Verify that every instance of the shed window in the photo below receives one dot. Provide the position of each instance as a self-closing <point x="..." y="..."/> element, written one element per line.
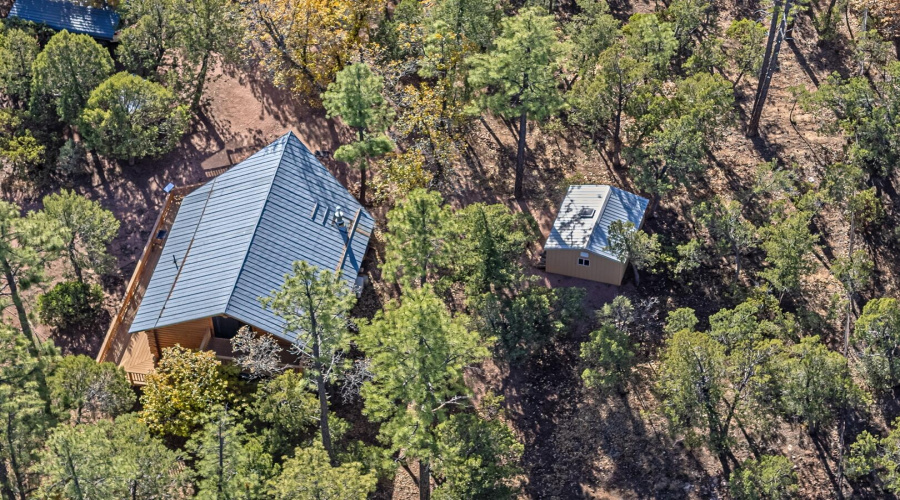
<point x="584" y="262"/>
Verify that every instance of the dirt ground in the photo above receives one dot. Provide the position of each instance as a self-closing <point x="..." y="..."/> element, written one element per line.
<point x="577" y="444"/>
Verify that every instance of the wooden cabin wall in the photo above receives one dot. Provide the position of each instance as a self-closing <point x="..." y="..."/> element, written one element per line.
<point x="188" y="334"/>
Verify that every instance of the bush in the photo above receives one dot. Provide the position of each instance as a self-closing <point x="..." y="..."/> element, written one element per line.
<point x="69" y="304"/>
<point x="770" y="477"/>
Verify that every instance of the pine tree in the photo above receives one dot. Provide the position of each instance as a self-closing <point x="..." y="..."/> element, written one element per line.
<point x="418" y="353"/>
<point x="85" y="227"/>
<point x="67" y="70"/>
<point x="355" y="96"/>
<point x="18" y="49"/>
<point x="315" y="305"/>
<point x="418" y="239"/>
<point x="633" y="246"/>
<point x="522" y="73"/>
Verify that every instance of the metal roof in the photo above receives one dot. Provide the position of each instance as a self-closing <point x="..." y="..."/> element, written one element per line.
<point x="577" y="227"/>
<point x="98" y="23"/>
<point x="234" y="239"/>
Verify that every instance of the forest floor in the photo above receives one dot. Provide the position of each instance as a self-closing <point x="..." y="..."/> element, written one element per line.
<point x="577" y="443"/>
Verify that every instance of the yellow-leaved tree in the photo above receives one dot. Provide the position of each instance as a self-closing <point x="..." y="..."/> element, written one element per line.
<point x="303" y="43"/>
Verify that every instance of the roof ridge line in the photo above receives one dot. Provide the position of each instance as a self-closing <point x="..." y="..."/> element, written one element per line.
<point x="609" y="193"/>
<point x="256" y="226"/>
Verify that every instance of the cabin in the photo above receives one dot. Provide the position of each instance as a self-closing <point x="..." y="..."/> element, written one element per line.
<point x="217" y="248"/>
<point x="100" y="24"/>
<point x="577" y="243"/>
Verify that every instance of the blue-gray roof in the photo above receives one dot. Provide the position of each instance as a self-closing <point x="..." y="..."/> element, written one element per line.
<point x="234" y="239"/>
<point x="585" y="216"/>
<point x="98" y="23"/>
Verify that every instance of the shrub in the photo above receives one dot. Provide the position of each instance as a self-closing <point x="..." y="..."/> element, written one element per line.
<point x="69" y="304"/>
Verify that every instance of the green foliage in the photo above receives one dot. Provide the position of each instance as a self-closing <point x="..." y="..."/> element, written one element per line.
<point x="878" y="457"/>
<point x="651" y="40"/>
<point x="67" y="70"/>
<point x="771" y="477"/>
<point x="287" y="412"/>
<point x="853" y="271"/>
<point x="143" y="44"/>
<point x="529" y="319"/>
<point x="473" y="21"/>
<point x="418" y="352"/>
<point x="70" y="304"/>
<point x="591" y="31"/>
<point x="18" y="49"/>
<point x="110" y="460"/>
<point x="676" y="132"/>
<point x="230" y="462"/>
<point x="633" y="246"/>
<point x="730" y="232"/>
<point x="690" y="257"/>
<point x="355" y="96"/>
<point x="20" y="152"/>
<point x="521" y="70"/>
<point x="417" y="240"/>
<point x="201" y="29"/>
<point x="23" y="410"/>
<point x="746" y="44"/>
<point x="85" y="227"/>
<point x="314" y="304"/>
<point x="707" y="379"/>
<point x="687" y="17"/>
<point x="489" y="244"/>
<point x="128" y="117"/>
<point x="25" y="246"/>
<point x="181" y="394"/>
<point x="683" y="318"/>
<point x="876" y="339"/>
<point x="85" y="387"/>
<point x="479" y="457"/>
<point x="863" y="112"/>
<point x="789" y="247"/>
<point x="609" y="356"/>
<point x="816" y="384"/>
<point x="309" y="475"/>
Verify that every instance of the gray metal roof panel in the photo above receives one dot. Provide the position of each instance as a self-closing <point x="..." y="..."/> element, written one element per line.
<point x="98" y="23"/>
<point x="248" y="226"/>
<point x="573" y="229"/>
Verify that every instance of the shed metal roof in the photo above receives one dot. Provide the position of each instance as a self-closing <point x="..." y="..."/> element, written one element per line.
<point x="585" y="216"/>
<point x="98" y="23"/>
<point x="234" y="239"/>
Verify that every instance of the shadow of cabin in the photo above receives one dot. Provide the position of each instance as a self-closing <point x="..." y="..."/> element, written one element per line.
<point x="218" y="247"/>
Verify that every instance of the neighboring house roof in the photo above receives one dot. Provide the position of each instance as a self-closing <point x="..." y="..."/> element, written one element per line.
<point x="98" y="23"/>
<point x="585" y="216"/>
<point x="234" y="239"/>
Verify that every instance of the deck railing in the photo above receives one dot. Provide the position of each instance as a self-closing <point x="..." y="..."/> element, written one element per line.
<point x="115" y="343"/>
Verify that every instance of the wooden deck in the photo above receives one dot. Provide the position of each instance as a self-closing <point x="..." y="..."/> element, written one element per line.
<point x="135" y="353"/>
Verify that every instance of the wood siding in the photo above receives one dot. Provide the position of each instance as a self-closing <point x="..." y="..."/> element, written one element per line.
<point x="602" y="269"/>
<point x="188" y="334"/>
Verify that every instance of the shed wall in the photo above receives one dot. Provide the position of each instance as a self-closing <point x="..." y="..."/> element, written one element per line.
<point x="602" y="269"/>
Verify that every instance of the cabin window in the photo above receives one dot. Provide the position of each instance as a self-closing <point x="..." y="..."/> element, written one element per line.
<point x="225" y="327"/>
<point x="584" y="261"/>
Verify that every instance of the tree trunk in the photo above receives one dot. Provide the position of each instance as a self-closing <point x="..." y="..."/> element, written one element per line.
<point x="17" y="302"/>
<point x="13" y="461"/>
<point x="616" y="149"/>
<point x="520" y="155"/>
<point x="78" y="494"/>
<point x="323" y="404"/>
<point x="737" y="265"/>
<point x="424" y="480"/>
<point x="362" y="172"/>
<point x="637" y="278"/>
<point x="201" y="80"/>
<point x="75" y="267"/>
<point x="770" y="60"/>
<point x="5" y="485"/>
<point x="221" y="471"/>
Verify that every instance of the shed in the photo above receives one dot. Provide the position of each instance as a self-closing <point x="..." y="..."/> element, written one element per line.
<point x="231" y="242"/>
<point x="59" y="15"/>
<point x="577" y="243"/>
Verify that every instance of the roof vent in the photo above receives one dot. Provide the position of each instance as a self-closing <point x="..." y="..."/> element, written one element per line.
<point x="586" y="213"/>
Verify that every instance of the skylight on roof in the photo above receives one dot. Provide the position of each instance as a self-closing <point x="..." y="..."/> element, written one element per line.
<point x="587" y="213"/>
